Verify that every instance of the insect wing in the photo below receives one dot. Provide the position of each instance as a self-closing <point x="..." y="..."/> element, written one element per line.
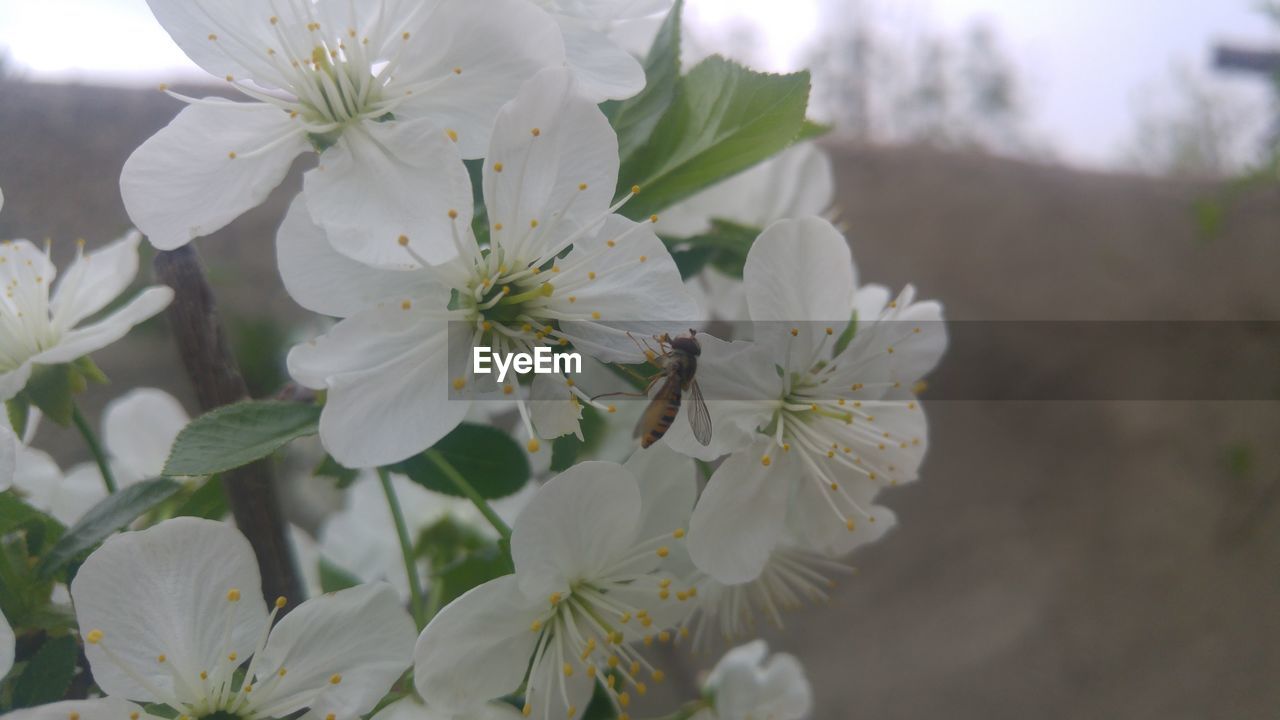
<point x="652" y="416"/>
<point x="699" y="417"/>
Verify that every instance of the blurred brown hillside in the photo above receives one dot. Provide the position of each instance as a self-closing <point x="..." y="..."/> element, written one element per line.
<point x="1058" y="559"/>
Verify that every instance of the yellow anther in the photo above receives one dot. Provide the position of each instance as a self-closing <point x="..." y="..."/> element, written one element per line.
<point x="595" y="315"/>
<point x="507" y="389"/>
<point x="330" y="716"/>
<point x="582" y="186"/>
<point x="664" y="637"/>
<point x="453" y="214"/>
<point x="643" y="258"/>
<point x="573" y="298"/>
<point x="527" y="709"/>
<point x="786" y="447"/>
<point x="889" y="350"/>
<point x="486" y="326"/>
<point x="653" y="218"/>
<point x="658" y="675"/>
<point x="536" y="625"/>
<point x="497" y="227"/>
<point x="335" y="679"/>
<point x="233" y="595"/>
<point x="161" y="658"/>
<point x="248" y="688"/>
<point x="572" y="711"/>
<point x="664" y="594"/>
<point x="591" y="671"/>
<point x="568" y="670"/>
<point x="612" y="661"/>
<point x="664" y="582"/>
<point x="204" y="675"/>
<point x="232" y="657"/>
<point x="646" y="621"/>
<point x="459" y="383"/>
<point x="406" y="305"/>
<point x="693" y="592"/>
<point x="663" y="551"/>
<point x="452" y="135"/>
<point x="613" y="408"/>
<point x="497" y="167"/>
<point x="134" y="715"/>
<point x="94" y="637"/>
<point x="282" y="601"/>
<point x="835" y="487"/>
<point x="855" y="387"/>
<point x="533" y="445"/>
<point x="831" y="331"/>
<point x="591" y="275"/>
<point x="282" y="672"/>
<point x="555" y="598"/>
<point x="405" y="36"/>
<point x="533" y="223"/>
<point x="849" y="525"/>
<point x="635" y="667"/>
<point x="611" y="243"/>
<point x="231" y="155"/>
<point x="795" y="332"/>
<point x="73" y="716"/>
<point x="625" y="618"/>
<point x="679" y="533"/>
<point x="624" y="698"/>
<point x="535" y="132"/>
<point x="641" y="688"/>
<point x="231" y="78"/>
<point x="403" y="240"/>
<point x="766" y="461"/>
<point x="457" y="71"/>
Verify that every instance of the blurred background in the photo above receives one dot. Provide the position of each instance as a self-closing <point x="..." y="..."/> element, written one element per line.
<point x="1083" y="160"/>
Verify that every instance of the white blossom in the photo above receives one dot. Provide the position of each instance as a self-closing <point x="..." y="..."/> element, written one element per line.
<point x="7" y="642"/>
<point x="170" y="614"/>
<point x="810" y="430"/>
<point x="40" y="319"/>
<point x="560" y="267"/>
<point x="606" y="70"/>
<point x="381" y="88"/>
<point x="748" y="684"/>
<point x="589" y="580"/>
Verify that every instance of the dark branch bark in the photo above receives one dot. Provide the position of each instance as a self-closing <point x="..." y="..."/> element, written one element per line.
<point x="212" y="368"/>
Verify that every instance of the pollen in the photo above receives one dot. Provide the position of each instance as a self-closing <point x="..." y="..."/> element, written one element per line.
<point x="204" y="675"/>
<point x="635" y="189"/>
<point x="795" y="332"/>
<point x="73" y="716"/>
<point x="281" y="601"/>
<point x="533" y="445"/>
<point x="453" y="135"/>
<point x="232" y="657"/>
<point x="679" y="533"/>
<point x="459" y="383"/>
<point x="457" y="71"/>
<point x="643" y="258"/>
<point x="568" y="670"/>
<point x="497" y="167"/>
<point x="831" y="331"/>
<point x="624" y="698"/>
<point x="591" y="276"/>
<point x="405" y="36"/>
<point x="611" y="243"/>
<point x="613" y="408"/>
<point x="282" y="672"/>
<point x="507" y="389"/>
<point x="161" y="658"/>
<point x="403" y="240"/>
<point x="231" y="155"/>
<point x="766" y="461"/>
<point x="233" y="595"/>
<point x="535" y="132"/>
<point x="582" y="186"/>
<point x="595" y="315"/>
<point x="664" y="551"/>
<point x="653" y="218"/>
<point x="497" y="226"/>
<point x="856" y="387"/>
<point x="453" y="214"/>
<point x="533" y="223"/>
<point x="335" y="679"/>
<point x="848" y="524"/>
<point x="536" y="625"/>
<point x="406" y="305"/>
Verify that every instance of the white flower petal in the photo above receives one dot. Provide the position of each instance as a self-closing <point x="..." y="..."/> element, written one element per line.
<point x="361" y="636"/>
<point x="82" y="341"/>
<point x="8" y="458"/>
<point x="323" y="280"/>
<point x="741" y="514"/>
<point x="551" y="407"/>
<point x="386" y="371"/>
<point x="183" y="183"/>
<point x="139" y="427"/>
<point x="746" y="685"/>
<point x="386" y="180"/>
<point x="799" y="274"/>
<point x="94" y="279"/>
<point x="106" y="708"/>
<point x="668" y="490"/>
<point x="7" y="642"/>
<point x="550" y="142"/>
<point x="462" y="35"/>
<point x="224" y="38"/>
<point x="580" y="523"/>
<point x="37" y="477"/>
<point x="70" y="496"/>
<point x="605" y="69"/>
<point x="164" y="591"/>
<point x="12" y="382"/>
<point x="412" y="708"/>
<point x="478" y="648"/>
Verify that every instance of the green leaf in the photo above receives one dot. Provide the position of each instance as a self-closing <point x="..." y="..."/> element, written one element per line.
<point x="207" y="501"/>
<point x="334" y="578"/>
<point x="473" y="568"/>
<point x="331" y="468"/>
<point x="16" y="514"/>
<point x="724" y="119"/>
<point x="48" y="673"/>
<point x="724" y="246"/>
<point x="236" y="435"/>
<point x="51" y="389"/>
<point x="810" y="130"/>
<point x="90" y="371"/>
<point x="846" y="337"/>
<point x="19" y="410"/>
<point x="108" y="516"/>
<point x="635" y="118"/>
<point x="488" y="458"/>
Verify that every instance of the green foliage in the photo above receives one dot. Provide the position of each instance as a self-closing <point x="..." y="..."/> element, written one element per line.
<point x="259" y="344"/>
<point x="724" y="247"/>
<point x="334" y="578"/>
<point x="52" y="389"/>
<point x="207" y="501"/>
<point x="47" y="675"/>
<point x="635" y="118"/>
<point x="460" y="558"/>
<point x="331" y="468"/>
<point x="494" y="464"/>
<point x="846" y="337"/>
<point x="108" y="516"/>
<point x="724" y="119"/>
<point x="239" y="434"/>
<point x="566" y="449"/>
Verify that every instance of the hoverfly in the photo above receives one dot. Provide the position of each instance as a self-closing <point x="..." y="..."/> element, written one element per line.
<point x="677" y="361"/>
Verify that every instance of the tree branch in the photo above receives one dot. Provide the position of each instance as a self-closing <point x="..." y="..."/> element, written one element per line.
<point x="251" y="492"/>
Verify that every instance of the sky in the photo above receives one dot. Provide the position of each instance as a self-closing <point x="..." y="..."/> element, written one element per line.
<point x="1084" y="63"/>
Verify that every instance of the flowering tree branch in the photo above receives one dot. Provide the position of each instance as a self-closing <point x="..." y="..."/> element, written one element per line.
<point x="216" y="378"/>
